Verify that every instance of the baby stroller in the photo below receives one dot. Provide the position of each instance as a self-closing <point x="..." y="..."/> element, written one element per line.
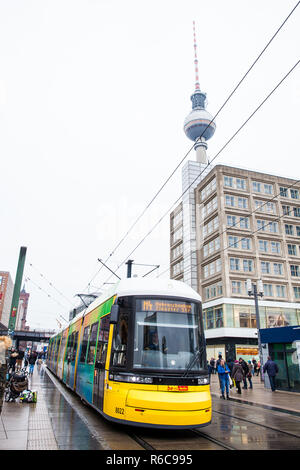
<point x="17" y="383"/>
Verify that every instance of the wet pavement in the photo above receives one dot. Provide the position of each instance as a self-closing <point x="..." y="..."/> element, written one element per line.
<point x="257" y="419"/>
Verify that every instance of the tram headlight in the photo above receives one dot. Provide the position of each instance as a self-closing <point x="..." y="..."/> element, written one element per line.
<point x="203" y="380"/>
<point x="131" y="378"/>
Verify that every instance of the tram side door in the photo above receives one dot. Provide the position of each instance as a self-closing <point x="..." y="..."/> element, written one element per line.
<point x="99" y="371"/>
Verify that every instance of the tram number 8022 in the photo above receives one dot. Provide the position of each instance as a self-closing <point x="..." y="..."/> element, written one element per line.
<point x="119" y="410"/>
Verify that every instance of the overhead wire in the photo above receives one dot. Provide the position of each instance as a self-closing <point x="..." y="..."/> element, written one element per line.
<point x="218" y="153"/>
<point x="191" y="148"/>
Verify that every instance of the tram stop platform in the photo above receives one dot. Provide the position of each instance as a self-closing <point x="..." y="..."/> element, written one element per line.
<point x="59" y="420"/>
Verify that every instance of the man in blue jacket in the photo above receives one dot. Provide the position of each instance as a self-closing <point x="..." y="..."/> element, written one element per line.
<point x="272" y="369"/>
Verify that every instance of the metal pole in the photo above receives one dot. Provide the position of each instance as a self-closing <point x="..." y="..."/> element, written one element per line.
<point x="258" y="326"/>
<point x="129" y="267"/>
<point x="16" y="293"/>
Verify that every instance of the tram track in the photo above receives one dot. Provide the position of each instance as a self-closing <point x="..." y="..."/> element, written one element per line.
<point x="145" y="444"/>
<point x="256" y="423"/>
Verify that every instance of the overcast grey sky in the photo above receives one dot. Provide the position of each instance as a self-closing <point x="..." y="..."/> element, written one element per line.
<point x="93" y="95"/>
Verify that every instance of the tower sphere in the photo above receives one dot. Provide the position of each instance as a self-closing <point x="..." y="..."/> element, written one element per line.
<point x="198" y="123"/>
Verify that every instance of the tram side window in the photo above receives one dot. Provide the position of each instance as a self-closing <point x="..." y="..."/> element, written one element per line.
<point x="69" y="348"/>
<point x="102" y="342"/>
<point x="56" y="348"/>
<point x="84" y="343"/>
<point x="92" y="344"/>
<point x="121" y="334"/>
<point x="74" y="346"/>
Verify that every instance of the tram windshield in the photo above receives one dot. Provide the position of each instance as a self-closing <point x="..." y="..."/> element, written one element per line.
<point x="167" y="335"/>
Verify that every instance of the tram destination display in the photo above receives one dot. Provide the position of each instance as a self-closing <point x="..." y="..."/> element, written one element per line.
<point x="158" y="305"/>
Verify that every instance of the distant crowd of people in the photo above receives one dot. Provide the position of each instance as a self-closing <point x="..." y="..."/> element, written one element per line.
<point x="234" y="373"/>
<point x="19" y="359"/>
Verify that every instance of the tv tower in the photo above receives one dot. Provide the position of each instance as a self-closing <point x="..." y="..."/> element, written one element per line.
<point x="199" y="125"/>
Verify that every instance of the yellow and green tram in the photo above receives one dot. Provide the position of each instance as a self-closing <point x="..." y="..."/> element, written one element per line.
<point x="137" y="355"/>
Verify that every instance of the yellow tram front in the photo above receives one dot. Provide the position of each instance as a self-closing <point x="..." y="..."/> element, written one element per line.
<point x="156" y="370"/>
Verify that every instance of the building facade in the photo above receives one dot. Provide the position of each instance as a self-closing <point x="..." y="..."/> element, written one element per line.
<point x="6" y="294"/>
<point x="247" y="227"/>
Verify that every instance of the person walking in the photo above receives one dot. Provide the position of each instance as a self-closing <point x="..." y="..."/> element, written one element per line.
<point x="272" y="369"/>
<point x="218" y="362"/>
<point x="32" y="360"/>
<point x="246" y="370"/>
<point x="224" y="372"/>
<point x="211" y="366"/>
<point x="250" y="373"/>
<point x="238" y="375"/>
<point x="19" y="360"/>
<point x="5" y="343"/>
<point x="13" y="359"/>
<point x="254" y="363"/>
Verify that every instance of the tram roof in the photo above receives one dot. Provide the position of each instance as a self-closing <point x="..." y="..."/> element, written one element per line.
<point x="144" y="287"/>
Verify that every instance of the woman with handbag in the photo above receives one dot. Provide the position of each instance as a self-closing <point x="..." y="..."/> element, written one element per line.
<point x="238" y="375"/>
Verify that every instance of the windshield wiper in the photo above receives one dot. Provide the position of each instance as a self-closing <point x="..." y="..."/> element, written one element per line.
<point x="198" y="353"/>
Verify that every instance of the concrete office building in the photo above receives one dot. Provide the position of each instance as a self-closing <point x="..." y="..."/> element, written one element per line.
<point x="247" y="227"/>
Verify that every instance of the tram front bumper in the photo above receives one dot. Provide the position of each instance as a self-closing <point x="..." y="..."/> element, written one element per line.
<point x="164" y="408"/>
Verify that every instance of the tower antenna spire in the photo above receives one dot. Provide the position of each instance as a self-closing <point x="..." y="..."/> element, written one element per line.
<point x="197" y="85"/>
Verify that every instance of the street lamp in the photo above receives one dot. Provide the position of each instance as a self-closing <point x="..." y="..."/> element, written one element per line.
<point x="256" y="290"/>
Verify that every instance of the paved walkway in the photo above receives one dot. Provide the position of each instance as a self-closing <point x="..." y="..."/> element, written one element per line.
<point x="259" y="395"/>
<point x="56" y="421"/>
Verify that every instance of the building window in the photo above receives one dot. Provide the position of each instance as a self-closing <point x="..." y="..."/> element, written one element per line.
<point x="259" y="205"/>
<point x="261" y="225"/>
<point x="240" y="183"/>
<point x="280" y="291"/>
<point x="228" y="181"/>
<point x="177" y="251"/>
<point x="211" y="226"/>
<point x="277" y="269"/>
<point x="212" y="291"/>
<point x="295" y="270"/>
<point x="177" y="268"/>
<point x="263" y="245"/>
<point x="296" y="211"/>
<point x="288" y="229"/>
<point x="256" y="186"/>
<point x="177" y="235"/>
<point x="219" y="317"/>
<point x="265" y="267"/>
<point x="234" y="264"/>
<point x="292" y="249"/>
<point x="283" y="192"/>
<point x="209" y="318"/>
<point x="294" y="193"/>
<point x="247" y="320"/>
<point x="248" y="265"/>
<point x="296" y="292"/>
<point x="177" y="220"/>
<point x="298" y="230"/>
<point x="231" y="220"/>
<point x="246" y="243"/>
<point x="270" y="208"/>
<point x="208" y="189"/>
<point x="268" y="188"/>
<point x="275" y="247"/>
<point x="233" y="242"/>
<point x="286" y="210"/>
<point x="268" y="290"/>
<point x="244" y="222"/>
<point x="242" y="202"/>
<point x="273" y="227"/>
<point x="229" y="200"/>
<point x="236" y="287"/>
